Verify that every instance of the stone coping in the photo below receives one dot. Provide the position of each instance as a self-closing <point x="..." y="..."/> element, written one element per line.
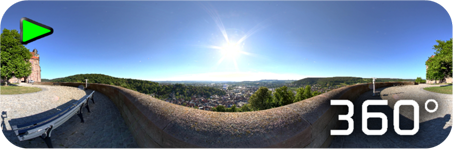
<point x="156" y="123"/>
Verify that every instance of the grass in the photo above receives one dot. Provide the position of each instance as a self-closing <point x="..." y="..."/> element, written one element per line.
<point x="439" y="84"/>
<point x="10" y="90"/>
<point x="440" y="89"/>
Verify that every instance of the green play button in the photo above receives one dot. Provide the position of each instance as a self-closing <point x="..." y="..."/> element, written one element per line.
<point x="31" y="30"/>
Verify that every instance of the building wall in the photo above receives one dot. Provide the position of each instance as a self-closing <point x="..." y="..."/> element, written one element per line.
<point x="36" y="70"/>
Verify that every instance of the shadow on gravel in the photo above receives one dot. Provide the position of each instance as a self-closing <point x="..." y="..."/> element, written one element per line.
<point x="431" y="133"/>
<point x="392" y="94"/>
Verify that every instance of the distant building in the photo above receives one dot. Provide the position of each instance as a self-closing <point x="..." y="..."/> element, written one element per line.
<point x="225" y="86"/>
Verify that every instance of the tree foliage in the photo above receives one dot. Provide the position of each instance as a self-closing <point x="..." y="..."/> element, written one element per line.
<point x="14" y="56"/>
<point x="299" y="94"/>
<point x="333" y="81"/>
<point x="245" y="107"/>
<point x="419" y="80"/>
<point x="146" y="87"/>
<point x="440" y="66"/>
<point x="307" y="92"/>
<point x="221" y="108"/>
<point x="261" y="99"/>
<point x="434" y="71"/>
<point x="283" y="96"/>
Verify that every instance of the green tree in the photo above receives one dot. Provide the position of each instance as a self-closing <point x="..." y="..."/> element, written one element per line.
<point x="418" y="80"/>
<point x="440" y="66"/>
<point x="245" y="107"/>
<point x="283" y="96"/>
<point x="434" y="69"/>
<point x="221" y="108"/>
<point x="307" y="92"/>
<point x="261" y="99"/>
<point x="316" y="93"/>
<point x="299" y="94"/>
<point x="233" y="108"/>
<point x="14" y="56"/>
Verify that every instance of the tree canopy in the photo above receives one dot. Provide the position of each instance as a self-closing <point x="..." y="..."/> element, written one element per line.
<point x="146" y="87"/>
<point x="264" y="99"/>
<point x="261" y="99"/>
<point x="440" y="66"/>
<point x="299" y="94"/>
<point x="14" y="56"/>
<point x="283" y="96"/>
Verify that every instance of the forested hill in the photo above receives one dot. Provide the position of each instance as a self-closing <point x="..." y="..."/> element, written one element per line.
<point x="146" y="87"/>
<point x="332" y="81"/>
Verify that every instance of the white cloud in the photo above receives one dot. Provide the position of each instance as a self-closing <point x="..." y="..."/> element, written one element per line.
<point x="233" y="76"/>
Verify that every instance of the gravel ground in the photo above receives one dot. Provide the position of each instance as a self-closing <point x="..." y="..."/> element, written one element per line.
<point x="434" y="128"/>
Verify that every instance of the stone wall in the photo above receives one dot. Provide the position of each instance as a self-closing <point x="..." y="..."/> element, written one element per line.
<point x="36" y="70"/>
<point x="156" y="123"/>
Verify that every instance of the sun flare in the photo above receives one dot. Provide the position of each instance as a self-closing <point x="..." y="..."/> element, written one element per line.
<point x="231" y="50"/>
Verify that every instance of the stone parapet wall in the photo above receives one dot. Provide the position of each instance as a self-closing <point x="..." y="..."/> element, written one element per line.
<point x="156" y="123"/>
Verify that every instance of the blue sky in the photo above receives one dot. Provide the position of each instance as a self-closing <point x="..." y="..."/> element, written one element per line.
<point x="283" y="40"/>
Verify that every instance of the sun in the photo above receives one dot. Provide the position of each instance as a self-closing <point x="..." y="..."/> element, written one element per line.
<point x="231" y="50"/>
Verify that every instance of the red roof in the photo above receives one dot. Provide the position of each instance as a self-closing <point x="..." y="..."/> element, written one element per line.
<point x="33" y="56"/>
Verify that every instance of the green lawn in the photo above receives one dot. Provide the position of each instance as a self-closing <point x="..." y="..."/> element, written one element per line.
<point x="439" y="84"/>
<point x="441" y="89"/>
<point x="9" y="90"/>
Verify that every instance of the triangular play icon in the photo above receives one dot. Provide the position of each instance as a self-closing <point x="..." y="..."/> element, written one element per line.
<point x="31" y="30"/>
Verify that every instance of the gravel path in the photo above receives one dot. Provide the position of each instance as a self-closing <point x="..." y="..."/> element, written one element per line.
<point x="104" y="127"/>
<point x="434" y="128"/>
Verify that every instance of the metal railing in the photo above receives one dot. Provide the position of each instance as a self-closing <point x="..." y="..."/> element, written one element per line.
<point x="43" y="128"/>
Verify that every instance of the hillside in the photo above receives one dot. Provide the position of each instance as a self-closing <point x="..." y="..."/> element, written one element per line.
<point x="143" y="86"/>
<point x="332" y="81"/>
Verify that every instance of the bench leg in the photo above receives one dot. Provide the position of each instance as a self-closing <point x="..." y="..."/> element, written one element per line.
<point x="80" y="114"/>
<point x="46" y="138"/>
<point x="48" y="142"/>
<point x="88" y="108"/>
<point x="92" y="98"/>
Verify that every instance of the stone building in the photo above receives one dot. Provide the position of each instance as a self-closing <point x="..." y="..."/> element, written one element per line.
<point x="445" y="80"/>
<point x="35" y="70"/>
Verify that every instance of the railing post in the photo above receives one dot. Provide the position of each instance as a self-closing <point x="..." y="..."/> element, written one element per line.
<point x="374" y="90"/>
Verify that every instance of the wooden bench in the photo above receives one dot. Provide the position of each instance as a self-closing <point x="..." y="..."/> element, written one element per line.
<point x="43" y="128"/>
